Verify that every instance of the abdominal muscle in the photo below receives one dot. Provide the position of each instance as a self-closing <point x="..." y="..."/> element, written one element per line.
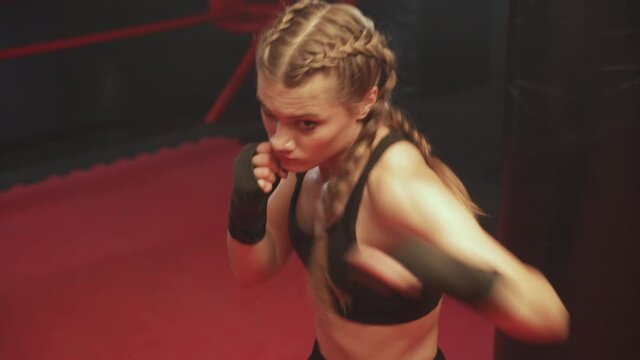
<point x="340" y="338"/>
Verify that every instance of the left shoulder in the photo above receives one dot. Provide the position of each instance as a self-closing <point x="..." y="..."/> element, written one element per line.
<point x="407" y="195"/>
<point x="401" y="165"/>
<point x="401" y="156"/>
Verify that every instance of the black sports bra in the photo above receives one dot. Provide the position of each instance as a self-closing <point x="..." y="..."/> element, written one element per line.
<point x="366" y="305"/>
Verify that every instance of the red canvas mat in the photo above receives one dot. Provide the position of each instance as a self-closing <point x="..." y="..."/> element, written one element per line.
<point x="128" y="261"/>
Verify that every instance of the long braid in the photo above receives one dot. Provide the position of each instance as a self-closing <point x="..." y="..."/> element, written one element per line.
<point x="398" y="120"/>
<point x="339" y="40"/>
<point x="369" y="44"/>
<point x="339" y="187"/>
<point x="450" y="180"/>
<point x="383" y="113"/>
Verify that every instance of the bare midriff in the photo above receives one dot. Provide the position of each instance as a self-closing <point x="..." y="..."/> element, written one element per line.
<point x="340" y="338"/>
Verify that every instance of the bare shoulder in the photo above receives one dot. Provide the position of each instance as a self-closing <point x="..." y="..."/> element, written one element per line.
<point x="401" y="165"/>
<point x="409" y="199"/>
<point x="406" y="195"/>
<point x="402" y="155"/>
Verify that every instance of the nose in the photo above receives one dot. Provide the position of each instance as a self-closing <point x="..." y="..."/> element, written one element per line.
<point x="282" y="141"/>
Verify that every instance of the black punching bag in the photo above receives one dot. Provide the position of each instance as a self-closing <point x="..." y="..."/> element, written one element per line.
<point x="571" y="186"/>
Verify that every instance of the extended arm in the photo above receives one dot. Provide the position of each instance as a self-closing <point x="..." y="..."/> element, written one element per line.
<point x="457" y="255"/>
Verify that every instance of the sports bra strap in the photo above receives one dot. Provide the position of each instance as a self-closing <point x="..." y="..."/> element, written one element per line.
<point x="356" y="195"/>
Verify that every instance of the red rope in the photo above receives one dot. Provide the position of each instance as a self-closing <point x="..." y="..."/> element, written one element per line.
<point x="101" y="37"/>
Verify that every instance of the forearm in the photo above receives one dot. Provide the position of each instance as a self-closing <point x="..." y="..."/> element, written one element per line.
<point x="251" y="249"/>
<point x="252" y="264"/>
<point x="528" y="308"/>
<point x="517" y="298"/>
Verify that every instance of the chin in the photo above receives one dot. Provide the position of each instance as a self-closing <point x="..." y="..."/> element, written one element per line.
<point x="298" y="168"/>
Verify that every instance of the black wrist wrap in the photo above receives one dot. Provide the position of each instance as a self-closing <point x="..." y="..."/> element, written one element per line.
<point x="437" y="270"/>
<point x="248" y="207"/>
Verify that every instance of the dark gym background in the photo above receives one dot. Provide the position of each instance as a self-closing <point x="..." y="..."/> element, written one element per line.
<point x="550" y="87"/>
<point x="70" y="108"/>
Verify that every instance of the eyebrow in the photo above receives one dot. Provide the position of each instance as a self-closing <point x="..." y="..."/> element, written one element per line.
<point x="295" y="116"/>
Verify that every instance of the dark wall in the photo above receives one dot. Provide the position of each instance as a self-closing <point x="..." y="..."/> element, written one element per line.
<point x="442" y="46"/>
<point x="67" y="101"/>
<point x="571" y="187"/>
<point x="33" y="21"/>
<point x="59" y="104"/>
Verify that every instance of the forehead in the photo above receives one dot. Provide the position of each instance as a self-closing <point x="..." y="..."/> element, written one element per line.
<point x="318" y="93"/>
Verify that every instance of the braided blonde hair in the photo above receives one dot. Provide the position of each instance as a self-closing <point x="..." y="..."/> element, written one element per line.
<point x="313" y="36"/>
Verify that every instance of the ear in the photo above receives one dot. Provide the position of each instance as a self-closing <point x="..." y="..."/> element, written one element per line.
<point x="367" y="102"/>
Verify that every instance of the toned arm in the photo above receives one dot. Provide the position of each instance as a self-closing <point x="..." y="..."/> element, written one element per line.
<point x="252" y="264"/>
<point x="409" y="198"/>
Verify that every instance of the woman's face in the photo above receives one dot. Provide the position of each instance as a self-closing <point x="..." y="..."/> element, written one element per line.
<point x="307" y="126"/>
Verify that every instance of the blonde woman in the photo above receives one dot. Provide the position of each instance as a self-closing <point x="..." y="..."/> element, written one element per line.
<point x="346" y="181"/>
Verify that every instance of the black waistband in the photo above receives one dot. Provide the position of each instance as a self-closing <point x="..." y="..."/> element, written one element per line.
<point x="317" y="355"/>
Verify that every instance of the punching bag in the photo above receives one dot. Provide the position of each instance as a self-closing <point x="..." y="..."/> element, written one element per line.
<point x="571" y="182"/>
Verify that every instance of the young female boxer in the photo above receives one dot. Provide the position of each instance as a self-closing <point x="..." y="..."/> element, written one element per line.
<point x="382" y="225"/>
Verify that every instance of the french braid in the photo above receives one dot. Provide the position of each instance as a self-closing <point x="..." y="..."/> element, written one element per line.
<point x="313" y="36"/>
<point x="281" y="25"/>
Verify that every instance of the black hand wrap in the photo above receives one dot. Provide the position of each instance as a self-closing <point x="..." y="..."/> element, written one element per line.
<point x="248" y="210"/>
<point x="437" y="270"/>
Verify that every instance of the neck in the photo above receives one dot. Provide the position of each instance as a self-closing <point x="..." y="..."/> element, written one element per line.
<point x="329" y="168"/>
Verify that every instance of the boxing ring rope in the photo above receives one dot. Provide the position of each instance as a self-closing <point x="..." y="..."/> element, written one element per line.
<point x="233" y="16"/>
<point x="101" y="37"/>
